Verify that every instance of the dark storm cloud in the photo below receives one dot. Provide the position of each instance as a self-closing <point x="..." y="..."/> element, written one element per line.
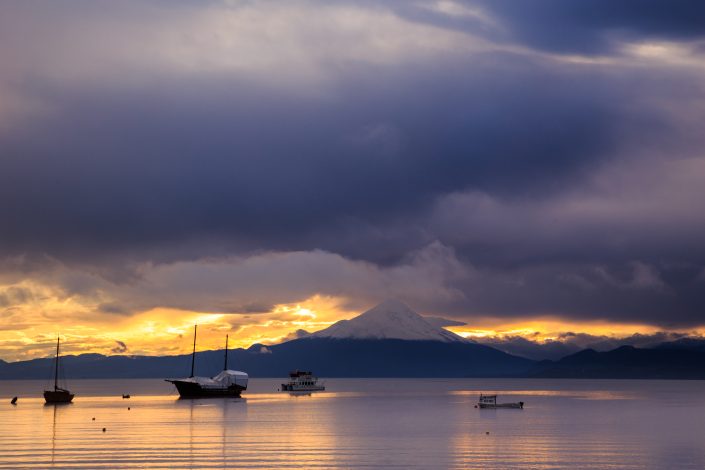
<point x="595" y="26"/>
<point x="562" y="187"/>
<point x="443" y="322"/>
<point x="231" y="159"/>
<point x="669" y="297"/>
<point x="580" y="26"/>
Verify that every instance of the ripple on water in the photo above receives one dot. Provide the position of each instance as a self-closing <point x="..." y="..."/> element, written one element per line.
<point x="365" y="422"/>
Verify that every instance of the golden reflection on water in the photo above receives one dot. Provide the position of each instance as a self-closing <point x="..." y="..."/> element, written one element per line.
<point x="579" y="394"/>
<point x="403" y="424"/>
<point x="53" y="434"/>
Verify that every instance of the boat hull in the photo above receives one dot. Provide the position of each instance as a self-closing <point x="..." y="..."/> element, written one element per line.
<point x="519" y="405"/>
<point x="58" y="396"/>
<point x="195" y="390"/>
<point x="298" y="388"/>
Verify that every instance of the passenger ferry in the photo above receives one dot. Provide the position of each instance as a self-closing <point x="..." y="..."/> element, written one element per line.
<point x="302" y="381"/>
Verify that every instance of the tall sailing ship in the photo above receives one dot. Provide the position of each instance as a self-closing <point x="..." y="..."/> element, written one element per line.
<point x="58" y="394"/>
<point x="228" y="383"/>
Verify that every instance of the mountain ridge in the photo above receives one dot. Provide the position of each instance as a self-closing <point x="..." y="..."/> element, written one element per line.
<point x="333" y="357"/>
<point x="626" y="362"/>
<point x="329" y="357"/>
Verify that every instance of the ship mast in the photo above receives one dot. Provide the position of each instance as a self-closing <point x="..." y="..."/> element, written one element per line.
<point x="193" y="357"/>
<point x="56" y="366"/>
<point x="225" y="367"/>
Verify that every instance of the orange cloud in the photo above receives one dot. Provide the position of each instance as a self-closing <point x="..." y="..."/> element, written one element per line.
<point x="33" y="314"/>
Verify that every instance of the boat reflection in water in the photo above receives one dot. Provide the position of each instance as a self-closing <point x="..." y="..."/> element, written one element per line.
<point x="228" y="383"/>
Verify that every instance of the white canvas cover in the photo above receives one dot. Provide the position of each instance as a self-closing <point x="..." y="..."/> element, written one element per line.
<point x="229" y="377"/>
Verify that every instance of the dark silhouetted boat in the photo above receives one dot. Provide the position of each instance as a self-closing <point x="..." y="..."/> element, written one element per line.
<point x="490" y="401"/>
<point x="229" y="383"/>
<point x="58" y="394"/>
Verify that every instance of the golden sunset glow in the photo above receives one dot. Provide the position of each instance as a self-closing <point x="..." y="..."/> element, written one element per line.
<point x="168" y="331"/>
<point x="162" y="331"/>
<point x="551" y="329"/>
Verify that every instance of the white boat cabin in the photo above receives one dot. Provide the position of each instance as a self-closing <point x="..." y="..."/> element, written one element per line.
<point x="300" y="381"/>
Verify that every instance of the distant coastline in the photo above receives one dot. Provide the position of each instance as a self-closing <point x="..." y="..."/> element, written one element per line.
<point x="391" y="358"/>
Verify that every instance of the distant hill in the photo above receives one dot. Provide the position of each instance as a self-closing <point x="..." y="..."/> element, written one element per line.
<point x="394" y="358"/>
<point x="327" y="357"/>
<point x="626" y="362"/>
<point x="690" y="344"/>
<point x="535" y="350"/>
<point x="330" y="357"/>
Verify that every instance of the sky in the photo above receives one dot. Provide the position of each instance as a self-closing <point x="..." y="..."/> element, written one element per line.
<point x="528" y="169"/>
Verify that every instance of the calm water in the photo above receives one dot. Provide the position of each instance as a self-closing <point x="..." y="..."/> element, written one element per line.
<point x="360" y="423"/>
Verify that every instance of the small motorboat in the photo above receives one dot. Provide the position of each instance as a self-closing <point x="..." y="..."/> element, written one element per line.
<point x="302" y="381"/>
<point x="490" y="401"/>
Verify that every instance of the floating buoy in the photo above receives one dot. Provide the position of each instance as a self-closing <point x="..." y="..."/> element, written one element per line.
<point x="103" y="429"/>
<point x="14" y="401"/>
<point x="128" y="408"/>
<point x="93" y="419"/>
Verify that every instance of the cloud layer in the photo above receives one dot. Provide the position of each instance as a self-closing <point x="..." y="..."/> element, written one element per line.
<point x="478" y="159"/>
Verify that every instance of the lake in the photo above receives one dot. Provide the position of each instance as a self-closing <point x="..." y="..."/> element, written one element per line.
<point x="360" y="423"/>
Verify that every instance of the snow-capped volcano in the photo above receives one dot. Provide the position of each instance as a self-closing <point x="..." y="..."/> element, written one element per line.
<point x="389" y="320"/>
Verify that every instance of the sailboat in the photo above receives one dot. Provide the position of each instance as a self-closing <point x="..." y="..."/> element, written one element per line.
<point x="229" y="383"/>
<point x="58" y="395"/>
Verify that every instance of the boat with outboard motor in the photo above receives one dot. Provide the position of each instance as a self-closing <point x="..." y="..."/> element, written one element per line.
<point x="228" y="383"/>
<point x="302" y="381"/>
<point x="490" y="401"/>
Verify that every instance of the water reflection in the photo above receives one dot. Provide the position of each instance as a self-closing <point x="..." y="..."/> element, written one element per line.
<point x="581" y="394"/>
<point x="371" y="423"/>
<point x="53" y="435"/>
<point x="56" y="409"/>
